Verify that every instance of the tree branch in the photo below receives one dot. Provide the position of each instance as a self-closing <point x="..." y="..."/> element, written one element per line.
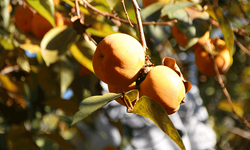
<point x="139" y="24"/>
<point x="224" y="89"/>
<point x="242" y="47"/>
<point x="125" y="20"/>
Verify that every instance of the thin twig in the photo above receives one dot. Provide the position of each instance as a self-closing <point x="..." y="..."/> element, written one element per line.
<point x="242" y="133"/>
<point x="139" y="23"/>
<point x="126" y="13"/>
<point x="230" y="4"/>
<point x="241" y="31"/>
<point x="224" y="89"/>
<point x="77" y="9"/>
<point x="242" y="47"/>
<point x="114" y="16"/>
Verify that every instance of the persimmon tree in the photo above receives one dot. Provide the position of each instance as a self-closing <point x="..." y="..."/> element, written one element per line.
<point x="48" y="48"/>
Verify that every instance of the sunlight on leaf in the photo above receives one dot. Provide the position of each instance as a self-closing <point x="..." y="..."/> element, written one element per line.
<point x="132" y="95"/>
<point x="91" y="104"/>
<point x="101" y="29"/>
<point x="149" y="10"/>
<point x="149" y="108"/>
<point x="83" y="52"/>
<point x="8" y="84"/>
<point x="173" y="7"/>
<point x="56" y="42"/>
<point x="225" y="106"/>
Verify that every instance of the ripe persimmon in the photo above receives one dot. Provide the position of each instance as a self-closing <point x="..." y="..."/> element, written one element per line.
<point x="182" y="39"/>
<point x="221" y="54"/>
<point x="165" y="86"/>
<point x="118" y="59"/>
<point x="40" y="25"/>
<point x="149" y="2"/>
<point x="23" y="17"/>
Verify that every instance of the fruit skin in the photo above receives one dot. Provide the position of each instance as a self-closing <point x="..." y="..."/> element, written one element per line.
<point x="148" y="2"/>
<point x="23" y="17"/>
<point x="205" y="64"/>
<point x="118" y="59"/>
<point x="40" y="25"/>
<point x="165" y="86"/>
<point x="179" y="36"/>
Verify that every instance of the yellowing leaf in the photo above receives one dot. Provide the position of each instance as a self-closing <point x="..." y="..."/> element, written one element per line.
<point x="81" y="58"/>
<point x="8" y="84"/>
<point x="225" y="106"/>
<point x="149" y="108"/>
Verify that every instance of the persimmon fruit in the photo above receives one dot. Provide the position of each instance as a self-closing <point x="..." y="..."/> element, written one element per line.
<point x="165" y="86"/>
<point x="182" y="39"/>
<point x="149" y="2"/>
<point x="118" y="59"/>
<point x="221" y="54"/>
<point x="40" y="25"/>
<point x="23" y="17"/>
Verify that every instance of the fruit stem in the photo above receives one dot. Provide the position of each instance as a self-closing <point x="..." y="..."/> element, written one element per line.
<point x="224" y="89"/>
<point x="139" y="23"/>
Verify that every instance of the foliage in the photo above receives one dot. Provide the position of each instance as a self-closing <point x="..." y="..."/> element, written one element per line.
<point x="36" y="74"/>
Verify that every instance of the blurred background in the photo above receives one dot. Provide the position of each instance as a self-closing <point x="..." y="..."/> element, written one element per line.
<point x="46" y="71"/>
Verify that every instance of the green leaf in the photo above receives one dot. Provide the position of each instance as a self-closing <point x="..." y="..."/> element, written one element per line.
<point x="43" y="9"/>
<point x="5" y="15"/>
<point x="91" y="104"/>
<point x="226" y="29"/>
<point x="56" y="42"/>
<point x="149" y="108"/>
<point x="112" y="3"/>
<point x="173" y="7"/>
<point x="101" y="29"/>
<point x="66" y="73"/>
<point x="130" y="10"/>
<point x="83" y="52"/>
<point x="151" y="9"/>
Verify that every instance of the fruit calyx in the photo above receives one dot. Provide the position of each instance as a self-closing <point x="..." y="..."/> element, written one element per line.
<point x="171" y="63"/>
<point x="144" y="71"/>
